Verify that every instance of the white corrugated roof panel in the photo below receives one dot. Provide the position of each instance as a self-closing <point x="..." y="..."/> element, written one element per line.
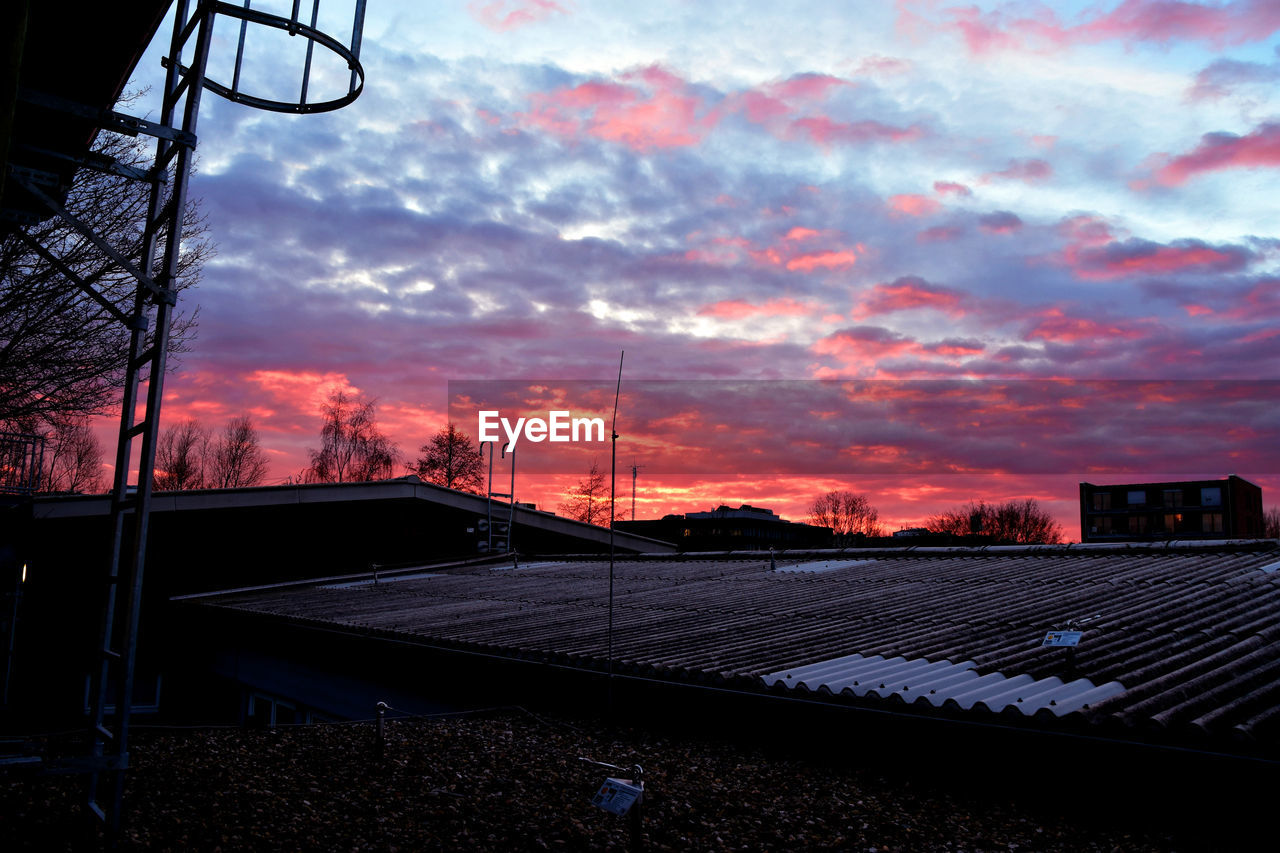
<point x="943" y="682"/>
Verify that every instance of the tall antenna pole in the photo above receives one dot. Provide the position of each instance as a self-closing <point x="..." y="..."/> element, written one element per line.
<point x="634" y="469"/>
<point x="613" y="481"/>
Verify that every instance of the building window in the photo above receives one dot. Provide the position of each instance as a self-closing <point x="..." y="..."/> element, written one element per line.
<point x="1172" y="522"/>
<point x="1211" y="496"/>
<point x="1102" y="525"/>
<point x="1138" y="524"/>
<point x="1211" y="522"/>
<point x="1101" y="501"/>
<point x="1173" y="497"/>
<point x="1137" y="497"/>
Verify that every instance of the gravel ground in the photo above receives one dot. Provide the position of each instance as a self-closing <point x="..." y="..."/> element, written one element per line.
<point x="509" y="780"/>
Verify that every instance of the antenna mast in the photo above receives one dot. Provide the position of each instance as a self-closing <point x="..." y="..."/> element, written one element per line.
<point x="613" y="481"/>
<point x="634" y="469"/>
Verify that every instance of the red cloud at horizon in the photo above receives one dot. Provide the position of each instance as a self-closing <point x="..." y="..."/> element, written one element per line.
<point x="504" y="15"/>
<point x="1143" y="257"/>
<point x="1218" y="151"/>
<point x="1037" y="26"/>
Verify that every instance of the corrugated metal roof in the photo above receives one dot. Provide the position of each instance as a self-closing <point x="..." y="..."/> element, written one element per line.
<point x="1185" y="643"/>
<point x="941" y="683"/>
<point x="823" y="565"/>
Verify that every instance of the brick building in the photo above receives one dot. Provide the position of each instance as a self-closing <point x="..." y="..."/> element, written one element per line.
<point x="1187" y="509"/>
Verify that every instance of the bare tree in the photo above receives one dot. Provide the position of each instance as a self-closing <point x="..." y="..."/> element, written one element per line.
<point x="450" y="459"/>
<point x="1271" y="523"/>
<point x="847" y="514"/>
<point x="180" y="457"/>
<point x="62" y="354"/>
<point x="73" y="459"/>
<point x="235" y="457"/>
<point x="589" y="500"/>
<point x="352" y="447"/>
<point x="1014" y="522"/>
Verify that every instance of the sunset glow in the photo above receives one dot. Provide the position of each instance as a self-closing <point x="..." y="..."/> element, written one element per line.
<point x="1038" y="240"/>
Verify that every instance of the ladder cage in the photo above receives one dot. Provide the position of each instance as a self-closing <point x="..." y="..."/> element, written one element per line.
<point x="329" y="79"/>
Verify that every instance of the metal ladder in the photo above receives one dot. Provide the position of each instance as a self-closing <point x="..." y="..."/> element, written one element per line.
<point x="155" y="297"/>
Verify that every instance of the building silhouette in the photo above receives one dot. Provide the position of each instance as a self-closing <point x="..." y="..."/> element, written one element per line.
<point x="1186" y="509"/>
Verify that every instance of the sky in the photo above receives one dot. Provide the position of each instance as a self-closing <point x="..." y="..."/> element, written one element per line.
<point x="926" y="251"/>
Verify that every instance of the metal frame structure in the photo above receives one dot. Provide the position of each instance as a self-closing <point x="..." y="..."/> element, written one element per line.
<point x="21" y="461"/>
<point x="112" y="678"/>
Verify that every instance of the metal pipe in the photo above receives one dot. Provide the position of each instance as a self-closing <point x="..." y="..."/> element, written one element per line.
<point x="511" y="495"/>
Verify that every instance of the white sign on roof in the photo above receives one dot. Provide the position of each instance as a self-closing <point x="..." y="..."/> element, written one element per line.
<point x="1062" y="638"/>
<point x="617" y="795"/>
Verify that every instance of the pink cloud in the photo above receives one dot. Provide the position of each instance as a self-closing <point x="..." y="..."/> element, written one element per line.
<point x="719" y="250"/>
<point x="826" y="131"/>
<point x="786" y="253"/>
<point x="913" y="205"/>
<point x="648" y="109"/>
<point x="863" y="346"/>
<point x="1037" y="26"/>
<point x="504" y="15"/>
<point x="1055" y="326"/>
<point x="807" y="86"/>
<point x="303" y="390"/>
<point x="1086" y="230"/>
<point x="1217" y="151"/>
<point x="1030" y="171"/>
<point x="1000" y="222"/>
<point x="956" y="348"/>
<point x="940" y="234"/>
<point x="1143" y="257"/>
<point x="801" y="233"/>
<point x="951" y="188"/>
<point x="883" y="65"/>
<point x="1165" y="21"/>
<point x="822" y="260"/>
<point x="653" y="108"/>
<point x="1223" y="76"/>
<point x="1262" y="301"/>
<point x="737" y="309"/>
<point x="862" y="349"/>
<point x="909" y="293"/>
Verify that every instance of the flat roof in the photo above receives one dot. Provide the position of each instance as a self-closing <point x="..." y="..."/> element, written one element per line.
<point x="1178" y="641"/>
